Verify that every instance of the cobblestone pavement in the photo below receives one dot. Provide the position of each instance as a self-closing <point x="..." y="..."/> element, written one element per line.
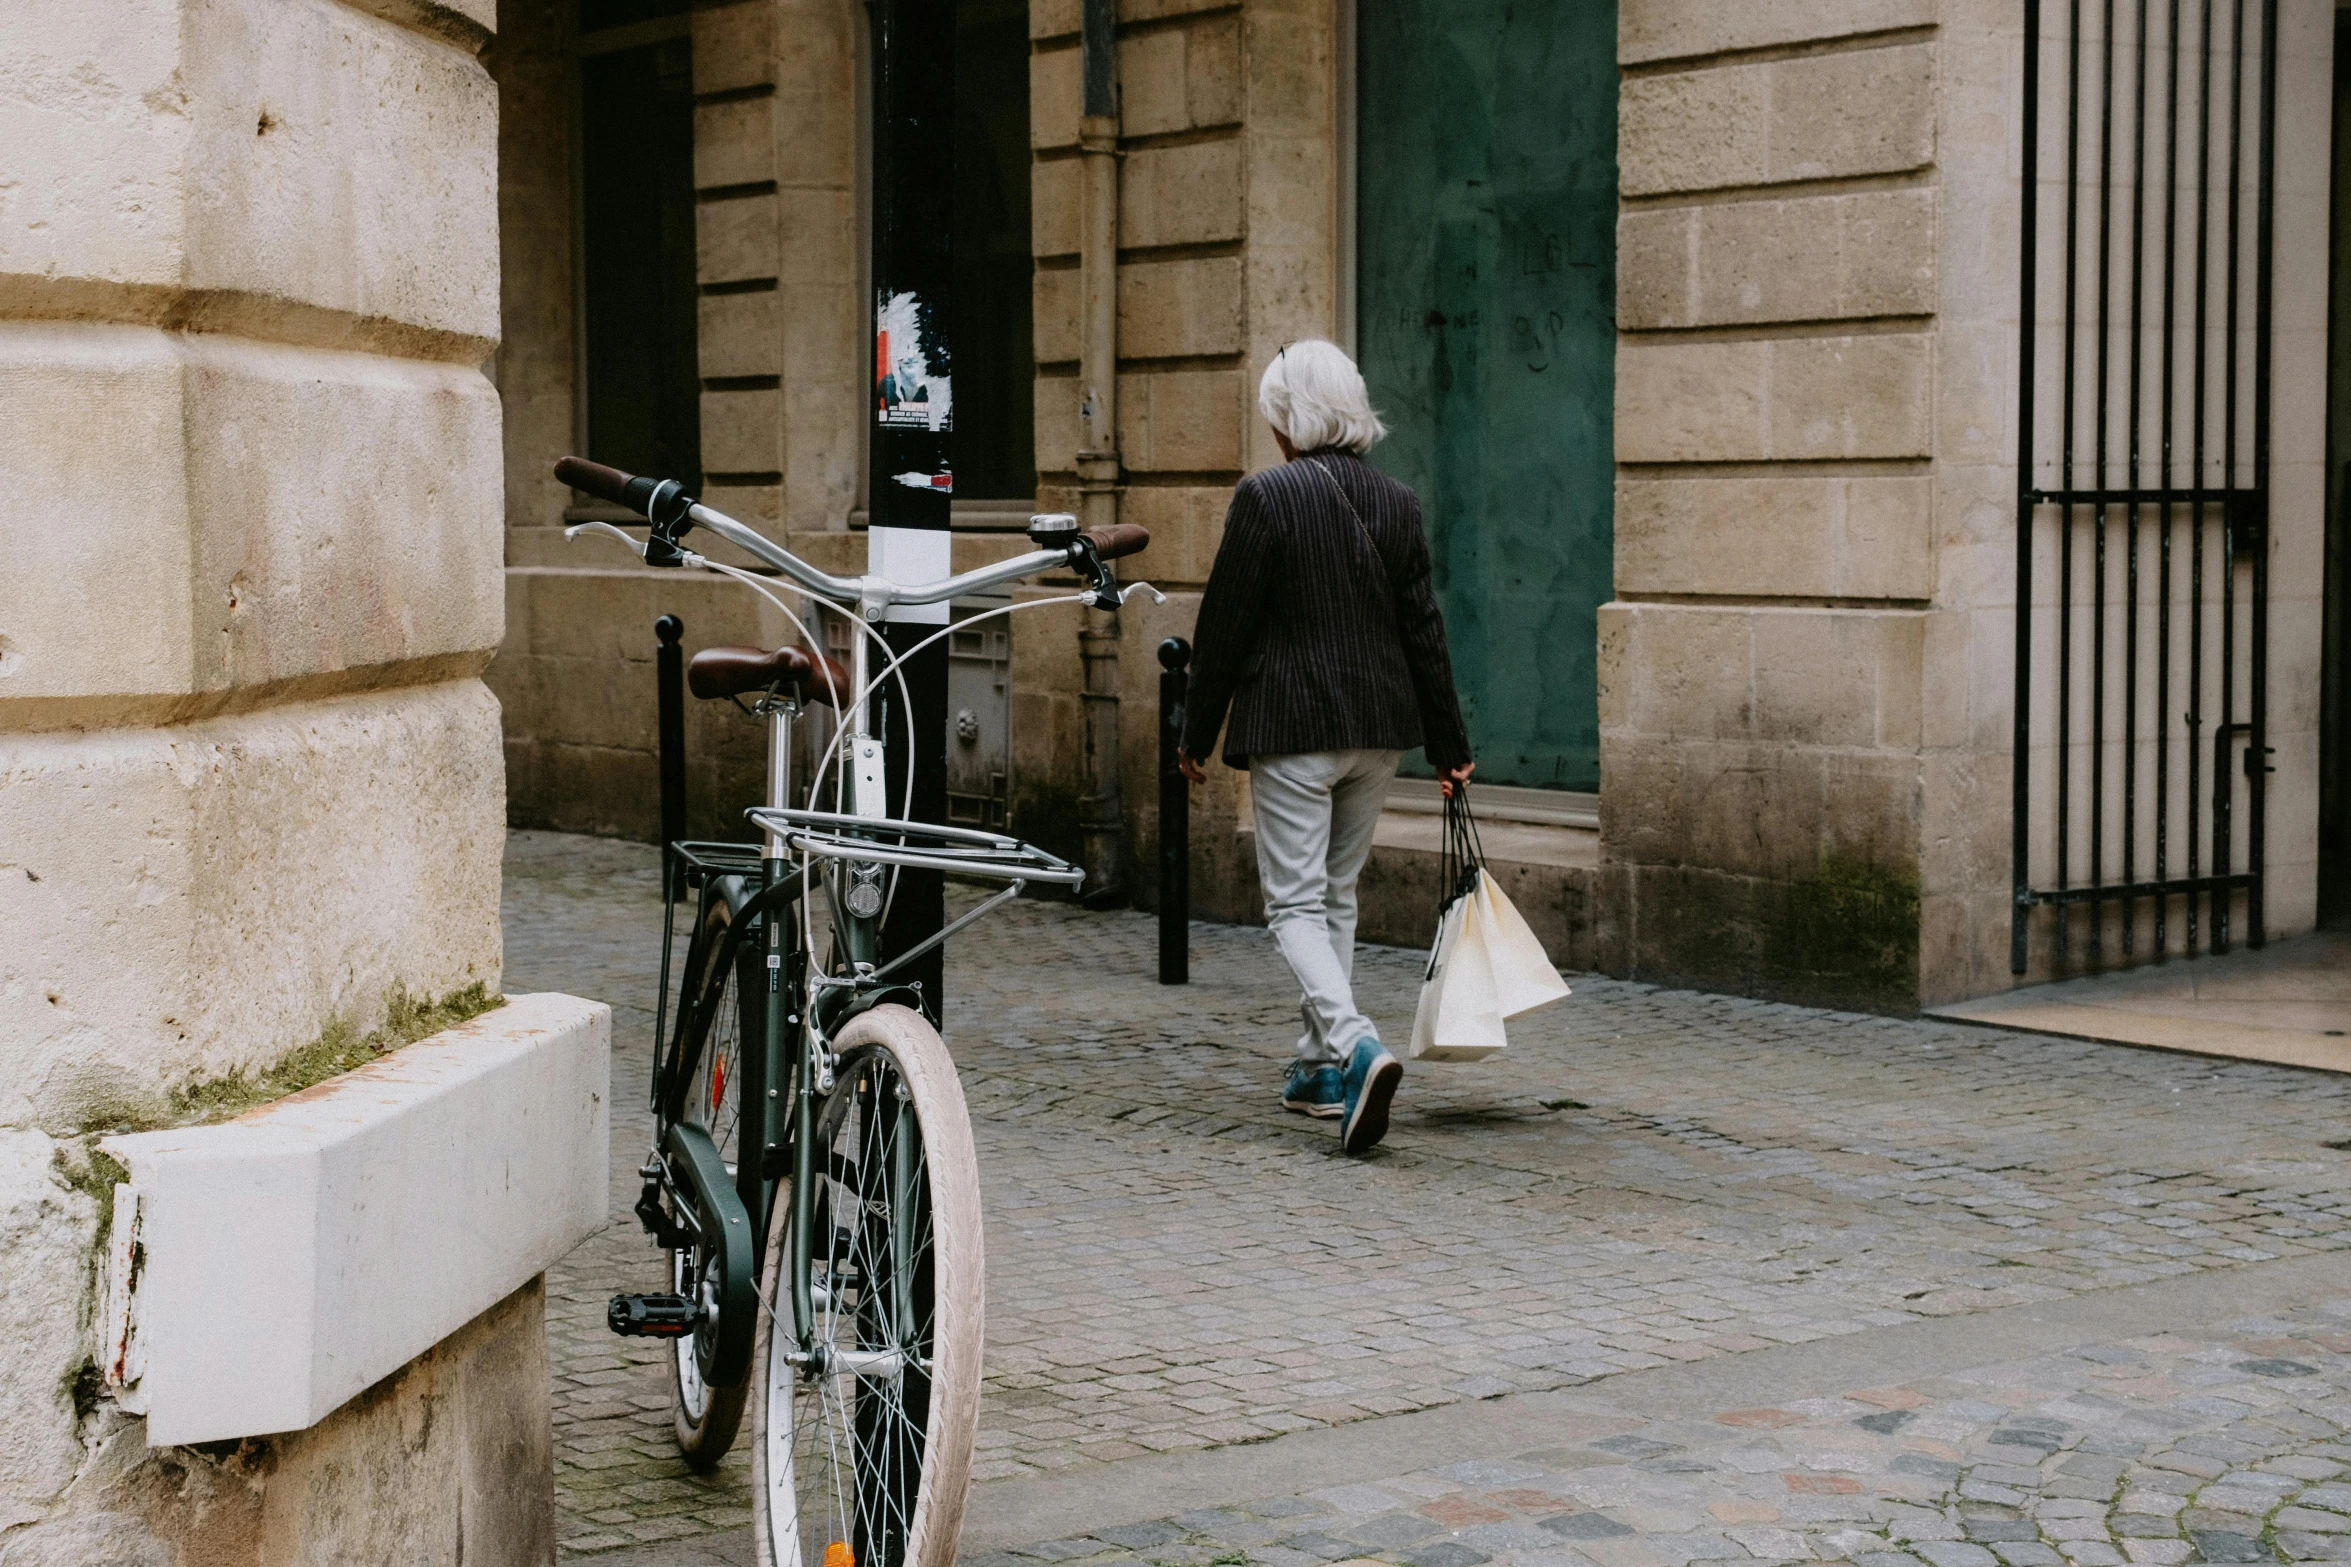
<point x="2219" y="1446"/>
<point x="1649" y="1179"/>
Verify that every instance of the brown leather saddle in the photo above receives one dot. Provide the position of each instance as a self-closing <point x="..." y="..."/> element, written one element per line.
<point x="719" y="672"/>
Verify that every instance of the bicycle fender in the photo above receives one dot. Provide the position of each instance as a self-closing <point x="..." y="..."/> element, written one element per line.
<point x="866" y="1000"/>
<point x="745" y="894"/>
<point x="696" y="1159"/>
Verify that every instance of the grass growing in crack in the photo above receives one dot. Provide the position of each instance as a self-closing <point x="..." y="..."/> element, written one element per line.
<point x="339" y="1048"/>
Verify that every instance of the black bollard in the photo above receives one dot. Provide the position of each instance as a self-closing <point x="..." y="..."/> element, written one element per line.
<point x="1175" y="819"/>
<point x="669" y="666"/>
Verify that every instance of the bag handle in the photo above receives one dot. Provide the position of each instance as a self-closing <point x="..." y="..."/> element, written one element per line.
<point x="1463" y="856"/>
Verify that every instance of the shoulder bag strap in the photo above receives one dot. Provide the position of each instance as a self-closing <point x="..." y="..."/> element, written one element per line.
<point x="1361" y="527"/>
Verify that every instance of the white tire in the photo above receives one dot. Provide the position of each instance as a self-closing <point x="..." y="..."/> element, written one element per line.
<point x="872" y="1453"/>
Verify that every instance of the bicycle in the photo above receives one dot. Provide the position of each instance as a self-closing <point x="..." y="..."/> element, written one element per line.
<point x="812" y="1176"/>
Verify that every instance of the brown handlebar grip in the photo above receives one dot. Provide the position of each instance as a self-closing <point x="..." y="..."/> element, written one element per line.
<point x="1120" y="538"/>
<point x="606" y="484"/>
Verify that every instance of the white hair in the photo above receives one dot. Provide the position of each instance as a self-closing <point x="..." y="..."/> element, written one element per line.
<point x="1315" y="396"/>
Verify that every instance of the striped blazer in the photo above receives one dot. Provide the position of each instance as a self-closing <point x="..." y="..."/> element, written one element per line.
<point x="1320" y="635"/>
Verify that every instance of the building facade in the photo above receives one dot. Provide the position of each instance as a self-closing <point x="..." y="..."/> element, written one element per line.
<point x="251" y="787"/>
<point x="1702" y="330"/>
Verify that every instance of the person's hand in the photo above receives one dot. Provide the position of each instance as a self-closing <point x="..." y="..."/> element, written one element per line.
<point x="1189" y="768"/>
<point x="1455" y="775"/>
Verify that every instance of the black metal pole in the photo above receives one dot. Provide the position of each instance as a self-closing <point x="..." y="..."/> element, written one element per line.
<point x="911" y="406"/>
<point x="669" y="666"/>
<point x="2020" y="762"/>
<point x="1175" y="819"/>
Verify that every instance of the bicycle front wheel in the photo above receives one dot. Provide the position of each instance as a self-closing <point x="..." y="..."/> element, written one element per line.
<point x="862" y="1449"/>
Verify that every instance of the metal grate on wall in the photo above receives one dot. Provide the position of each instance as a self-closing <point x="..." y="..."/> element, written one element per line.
<point x="2143" y="479"/>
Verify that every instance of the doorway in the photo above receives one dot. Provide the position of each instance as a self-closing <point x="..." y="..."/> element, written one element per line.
<point x="641" y="382"/>
<point x="995" y="446"/>
<point x="1486" y="289"/>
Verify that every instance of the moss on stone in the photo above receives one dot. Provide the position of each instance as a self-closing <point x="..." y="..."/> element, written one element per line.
<point x="1848" y="937"/>
<point x="92" y="1171"/>
<point x="339" y="1048"/>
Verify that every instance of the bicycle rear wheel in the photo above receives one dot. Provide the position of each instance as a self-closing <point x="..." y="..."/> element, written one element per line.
<point x="706" y="1418"/>
<point x="869" y="1447"/>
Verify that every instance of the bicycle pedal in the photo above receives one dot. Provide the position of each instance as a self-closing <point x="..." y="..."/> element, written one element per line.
<point x="651" y="1316"/>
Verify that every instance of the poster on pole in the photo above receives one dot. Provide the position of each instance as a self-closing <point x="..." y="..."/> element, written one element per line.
<point x="913" y="389"/>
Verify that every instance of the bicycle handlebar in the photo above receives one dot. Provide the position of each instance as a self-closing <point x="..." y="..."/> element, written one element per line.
<point x="1120" y="538"/>
<point x="606" y="484"/>
<point x="673" y="512"/>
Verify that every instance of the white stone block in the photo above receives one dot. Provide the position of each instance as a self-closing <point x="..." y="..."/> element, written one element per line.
<point x="231" y="158"/>
<point x="244" y="513"/>
<point x="196" y="901"/>
<point x="288" y="1259"/>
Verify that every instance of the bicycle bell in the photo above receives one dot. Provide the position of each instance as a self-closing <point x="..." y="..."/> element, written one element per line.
<point x="1053" y="530"/>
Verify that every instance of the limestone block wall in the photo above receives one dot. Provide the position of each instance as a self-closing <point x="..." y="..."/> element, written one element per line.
<point x="781" y="322"/>
<point x="250" y="780"/>
<point x="1807" y="677"/>
<point x="1228" y="248"/>
<point x="1761" y="665"/>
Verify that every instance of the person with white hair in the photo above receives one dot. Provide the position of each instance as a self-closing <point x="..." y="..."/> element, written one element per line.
<point x="1319" y="632"/>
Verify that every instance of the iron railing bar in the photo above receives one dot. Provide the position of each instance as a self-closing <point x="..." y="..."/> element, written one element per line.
<point x="2130" y="666"/>
<point x="2171" y="257"/>
<point x="2223" y="786"/>
<point x="2197" y="413"/>
<point x="2073" y="138"/>
<point x="2264" y="240"/>
<point x="2151" y="496"/>
<point x="2116" y="891"/>
<point x="2099" y="422"/>
<point x="2020" y="762"/>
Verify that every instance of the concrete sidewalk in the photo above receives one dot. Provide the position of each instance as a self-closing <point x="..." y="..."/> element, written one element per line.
<point x="2288" y="1003"/>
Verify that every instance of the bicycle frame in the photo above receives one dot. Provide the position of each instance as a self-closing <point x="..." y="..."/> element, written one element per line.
<point x="787" y="1067"/>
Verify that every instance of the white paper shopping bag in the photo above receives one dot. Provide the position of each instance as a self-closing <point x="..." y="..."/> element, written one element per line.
<point x="1523" y="976"/>
<point x="1459" y="1018"/>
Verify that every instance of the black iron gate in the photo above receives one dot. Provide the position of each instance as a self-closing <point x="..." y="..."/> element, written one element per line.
<point x="2143" y="476"/>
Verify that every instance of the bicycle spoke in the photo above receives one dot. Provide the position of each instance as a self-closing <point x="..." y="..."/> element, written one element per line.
<point x="858" y="1423"/>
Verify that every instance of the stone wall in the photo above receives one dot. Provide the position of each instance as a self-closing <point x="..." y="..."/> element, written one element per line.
<point x="446" y="1463"/>
<point x="777" y="258"/>
<point x="1807" y="677"/>
<point x="250" y="779"/>
<point x="1761" y="665"/>
<point x="1228" y="248"/>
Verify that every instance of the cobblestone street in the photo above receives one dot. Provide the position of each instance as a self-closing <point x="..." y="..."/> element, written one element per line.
<point x="1683" y="1277"/>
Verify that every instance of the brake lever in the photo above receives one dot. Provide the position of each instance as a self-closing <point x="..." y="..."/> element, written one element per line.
<point x="671" y="511"/>
<point x="1102" y="592"/>
<point x="578" y="528"/>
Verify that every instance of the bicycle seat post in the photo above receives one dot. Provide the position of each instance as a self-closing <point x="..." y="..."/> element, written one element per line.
<point x="781" y="710"/>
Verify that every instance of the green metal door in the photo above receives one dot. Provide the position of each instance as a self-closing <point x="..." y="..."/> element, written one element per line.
<point x="1486" y="286"/>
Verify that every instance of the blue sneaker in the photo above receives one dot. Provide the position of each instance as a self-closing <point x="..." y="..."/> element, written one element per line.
<point x="1370" y="1081"/>
<point x="1314" y="1090"/>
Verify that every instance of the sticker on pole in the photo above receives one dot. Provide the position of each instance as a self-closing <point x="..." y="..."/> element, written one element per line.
<point x="912" y="386"/>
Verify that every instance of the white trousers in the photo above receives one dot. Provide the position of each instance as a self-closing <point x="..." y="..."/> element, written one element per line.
<point x="1315" y="814"/>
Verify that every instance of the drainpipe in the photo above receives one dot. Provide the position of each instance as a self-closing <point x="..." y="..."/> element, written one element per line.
<point x="1101" y="813"/>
